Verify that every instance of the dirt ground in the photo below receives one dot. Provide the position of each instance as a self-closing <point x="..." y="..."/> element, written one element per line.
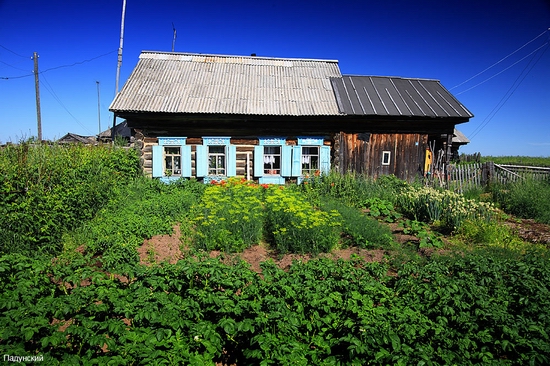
<point x="168" y="247"/>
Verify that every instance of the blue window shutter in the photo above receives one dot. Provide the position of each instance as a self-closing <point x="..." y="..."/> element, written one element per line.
<point x="286" y="161"/>
<point x="258" y="161"/>
<point x="231" y="161"/>
<point x="185" y="160"/>
<point x="201" y="161"/>
<point x="158" y="161"/>
<point x="296" y="161"/>
<point x="325" y="159"/>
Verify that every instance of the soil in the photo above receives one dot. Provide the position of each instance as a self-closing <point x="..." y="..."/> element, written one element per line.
<point x="168" y="248"/>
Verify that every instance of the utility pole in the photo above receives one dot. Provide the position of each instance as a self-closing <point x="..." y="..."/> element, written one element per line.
<point x="174" y="38"/>
<point x="98" y="112"/>
<point x="37" y="88"/>
<point x="118" y="64"/>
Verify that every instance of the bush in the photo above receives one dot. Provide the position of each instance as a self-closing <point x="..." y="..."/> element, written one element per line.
<point x="47" y="190"/>
<point x="445" y="208"/>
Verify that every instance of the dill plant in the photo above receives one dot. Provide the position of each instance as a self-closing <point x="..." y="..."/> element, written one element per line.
<point x="294" y="225"/>
<point x="229" y="217"/>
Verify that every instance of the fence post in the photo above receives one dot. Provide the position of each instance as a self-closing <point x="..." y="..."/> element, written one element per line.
<point x="487" y="173"/>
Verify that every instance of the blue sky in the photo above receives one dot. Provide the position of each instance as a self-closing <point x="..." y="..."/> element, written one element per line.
<point x="492" y="55"/>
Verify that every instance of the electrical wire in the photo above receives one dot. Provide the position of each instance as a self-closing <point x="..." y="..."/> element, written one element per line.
<point x="48" y="87"/>
<point x="498" y="62"/>
<point x="15" y="53"/>
<point x="498" y="73"/>
<point x="58" y="67"/>
<point x="508" y="94"/>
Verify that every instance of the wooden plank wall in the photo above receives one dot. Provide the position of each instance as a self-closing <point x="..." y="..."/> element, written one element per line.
<point x="362" y="153"/>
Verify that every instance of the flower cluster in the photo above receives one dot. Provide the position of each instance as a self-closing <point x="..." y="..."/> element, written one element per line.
<point x="447" y="208"/>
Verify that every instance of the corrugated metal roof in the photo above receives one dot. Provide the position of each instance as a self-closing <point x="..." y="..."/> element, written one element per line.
<point x="196" y="83"/>
<point x="395" y="96"/>
<point x="459" y="138"/>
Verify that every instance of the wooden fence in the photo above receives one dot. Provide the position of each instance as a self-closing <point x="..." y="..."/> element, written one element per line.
<point x="478" y="175"/>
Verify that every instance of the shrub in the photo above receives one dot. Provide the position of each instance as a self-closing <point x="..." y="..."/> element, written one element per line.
<point x="47" y="190"/>
<point x="443" y="207"/>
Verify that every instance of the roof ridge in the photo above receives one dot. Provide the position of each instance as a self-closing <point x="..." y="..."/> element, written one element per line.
<point x="389" y="77"/>
<point x="144" y="52"/>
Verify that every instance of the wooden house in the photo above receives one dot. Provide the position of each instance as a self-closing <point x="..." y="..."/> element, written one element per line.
<point x="279" y="119"/>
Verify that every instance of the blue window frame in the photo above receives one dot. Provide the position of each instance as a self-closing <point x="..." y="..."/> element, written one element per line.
<point x="171" y="158"/>
<point x="216" y="159"/>
<point x="272" y="160"/>
<point x="311" y="157"/>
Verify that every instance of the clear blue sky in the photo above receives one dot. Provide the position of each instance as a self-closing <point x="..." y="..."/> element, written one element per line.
<point x="452" y="41"/>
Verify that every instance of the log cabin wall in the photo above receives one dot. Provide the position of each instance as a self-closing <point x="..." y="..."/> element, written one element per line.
<point x="245" y="151"/>
<point x="364" y="153"/>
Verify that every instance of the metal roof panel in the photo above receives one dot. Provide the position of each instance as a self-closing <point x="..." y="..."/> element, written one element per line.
<point x="190" y="83"/>
<point x="395" y="96"/>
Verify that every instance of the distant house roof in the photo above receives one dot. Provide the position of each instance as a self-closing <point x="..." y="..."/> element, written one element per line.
<point x="74" y="138"/>
<point x="121" y="130"/>
<point x="395" y="96"/>
<point x="165" y="82"/>
<point x="459" y="138"/>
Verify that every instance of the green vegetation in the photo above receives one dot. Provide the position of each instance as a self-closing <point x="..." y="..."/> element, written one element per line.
<point x="468" y="310"/>
<point x="518" y="160"/>
<point x="527" y="199"/>
<point x="46" y="190"/>
<point x="73" y="291"/>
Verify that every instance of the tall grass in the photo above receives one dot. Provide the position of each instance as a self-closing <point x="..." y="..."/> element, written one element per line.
<point x="526" y="198"/>
<point x="352" y="188"/>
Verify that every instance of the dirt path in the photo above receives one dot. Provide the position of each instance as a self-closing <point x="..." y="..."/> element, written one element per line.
<point x="168" y="247"/>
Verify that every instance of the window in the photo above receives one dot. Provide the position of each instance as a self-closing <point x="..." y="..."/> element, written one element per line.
<point x="172" y="161"/>
<point x="216" y="160"/>
<point x="386" y="156"/>
<point x="272" y="160"/>
<point x="171" y="158"/>
<point x="310" y="160"/>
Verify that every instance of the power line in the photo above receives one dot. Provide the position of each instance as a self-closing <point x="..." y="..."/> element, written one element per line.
<point x="508" y="94"/>
<point x="58" y="67"/>
<point x="498" y="62"/>
<point x="15" y="53"/>
<point x="14" y="67"/>
<point x="49" y="88"/>
<point x="498" y="73"/>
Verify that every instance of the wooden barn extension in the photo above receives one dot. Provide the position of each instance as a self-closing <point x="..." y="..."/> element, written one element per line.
<point x="280" y="119"/>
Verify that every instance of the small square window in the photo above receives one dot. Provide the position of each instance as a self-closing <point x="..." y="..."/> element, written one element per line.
<point x="386" y="157"/>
